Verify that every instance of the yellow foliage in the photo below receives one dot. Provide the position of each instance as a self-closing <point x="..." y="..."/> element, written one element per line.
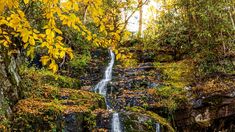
<point x="26" y="1"/>
<point x="15" y="23"/>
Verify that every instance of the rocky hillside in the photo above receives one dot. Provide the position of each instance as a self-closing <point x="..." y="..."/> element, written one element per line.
<point x="144" y="95"/>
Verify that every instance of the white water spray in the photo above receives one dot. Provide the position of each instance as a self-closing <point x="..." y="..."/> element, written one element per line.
<point x="116" y="123"/>
<point x="158" y="127"/>
<point x="101" y="88"/>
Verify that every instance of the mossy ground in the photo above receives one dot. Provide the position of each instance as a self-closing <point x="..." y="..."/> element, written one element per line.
<point x="47" y="103"/>
<point x="176" y="76"/>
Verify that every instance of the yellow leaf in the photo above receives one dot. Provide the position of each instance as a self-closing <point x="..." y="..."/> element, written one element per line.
<point x="57" y="30"/>
<point x="11" y="52"/>
<point x="59" y="38"/>
<point x="5" y="43"/>
<point x="123" y="57"/>
<point x="48" y="31"/>
<point x="53" y="66"/>
<point x="44" y="44"/>
<point x="26" y="45"/>
<point x="111" y="27"/>
<point x="83" y="33"/>
<point x="25" y="35"/>
<point x="31" y="41"/>
<point x="62" y="54"/>
<point x="30" y="52"/>
<point x="36" y="31"/>
<point x="44" y="60"/>
<point x="21" y="13"/>
<point x="94" y="35"/>
<point x="75" y="7"/>
<point x="2" y="41"/>
<point x="35" y="36"/>
<point x="26" y="1"/>
<point x="89" y="38"/>
<point x="102" y="27"/>
<point x="70" y="53"/>
<point x="118" y="56"/>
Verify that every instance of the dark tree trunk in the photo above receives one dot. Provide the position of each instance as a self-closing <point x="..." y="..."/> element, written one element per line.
<point x="9" y="84"/>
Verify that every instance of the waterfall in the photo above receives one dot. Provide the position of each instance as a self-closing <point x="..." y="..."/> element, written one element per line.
<point x="158" y="127"/>
<point x="101" y="88"/>
<point x="116" y="123"/>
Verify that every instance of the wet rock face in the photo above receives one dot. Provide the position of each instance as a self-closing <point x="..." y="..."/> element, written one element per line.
<point x="128" y="87"/>
<point x="132" y="122"/>
<point x="209" y="111"/>
<point x="207" y="116"/>
<point x="103" y="120"/>
<point x="94" y="71"/>
<point x="72" y="122"/>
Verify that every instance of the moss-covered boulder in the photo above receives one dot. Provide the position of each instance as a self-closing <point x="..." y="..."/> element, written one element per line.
<point x="58" y="109"/>
<point x="212" y="105"/>
<point x="35" y="76"/>
<point x="138" y="119"/>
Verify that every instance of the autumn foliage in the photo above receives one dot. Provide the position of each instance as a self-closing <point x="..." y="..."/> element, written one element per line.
<point x="42" y="29"/>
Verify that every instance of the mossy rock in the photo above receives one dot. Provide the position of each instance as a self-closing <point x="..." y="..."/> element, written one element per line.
<point x="155" y="118"/>
<point x="40" y="77"/>
<point x="58" y="109"/>
<point x="135" y="122"/>
<point x="217" y="85"/>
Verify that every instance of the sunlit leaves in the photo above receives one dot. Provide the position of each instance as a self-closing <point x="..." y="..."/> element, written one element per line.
<point x="45" y="59"/>
<point x="58" y="16"/>
<point x="26" y="1"/>
<point x="8" y="4"/>
<point x="53" y="66"/>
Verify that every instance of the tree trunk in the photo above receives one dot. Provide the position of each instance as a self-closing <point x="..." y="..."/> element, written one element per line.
<point x="85" y="14"/>
<point x="9" y="84"/>
<point x="140" y="18"/>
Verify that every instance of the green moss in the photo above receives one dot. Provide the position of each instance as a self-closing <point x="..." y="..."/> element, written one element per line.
<point x="4" y="121"/>
<point x="46" y="102"/>
<point x="136" y="122"/>
<point x="34" y="81"/>
<point x="80" y="61"/>
<point x="47" y="77"/>
<point x="164" y="58"/>
<point x="90" y="120"/>
<point x="154" y="116"/>
<point x="176" y="76"/>
<point x="46" y="111"/>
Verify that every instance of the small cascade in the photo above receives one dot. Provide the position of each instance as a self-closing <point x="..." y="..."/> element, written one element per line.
<point x="101" y="88"/>
<point x="158" y="127"/>
<point x="116" y="123"/>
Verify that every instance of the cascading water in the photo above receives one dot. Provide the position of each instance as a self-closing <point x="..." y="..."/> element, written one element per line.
<point x="116" y="123"/>
<point x="158" y="127"/>
<point x="101" y="88"/>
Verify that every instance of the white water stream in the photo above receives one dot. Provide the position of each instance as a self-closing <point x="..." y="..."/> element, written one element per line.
<point x="116" y="123"/>
<point x="158" y="127"/>
<point x="101" y="88"/>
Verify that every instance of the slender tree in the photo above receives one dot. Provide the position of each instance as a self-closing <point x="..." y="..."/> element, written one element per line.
<point x="140" y="18"/>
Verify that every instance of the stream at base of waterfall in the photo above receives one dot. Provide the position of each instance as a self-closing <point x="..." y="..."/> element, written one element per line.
<point x="101" y="88"/>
